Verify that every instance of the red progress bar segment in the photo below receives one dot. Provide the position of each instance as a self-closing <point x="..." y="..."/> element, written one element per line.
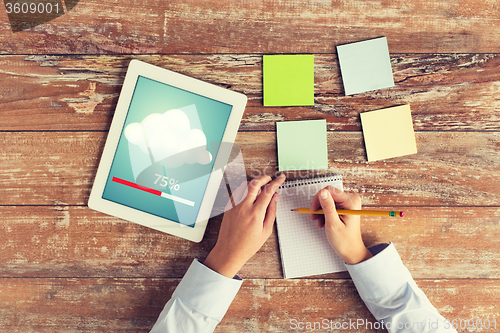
<point x="137" y="186"/>
<point x="155" y="192"/>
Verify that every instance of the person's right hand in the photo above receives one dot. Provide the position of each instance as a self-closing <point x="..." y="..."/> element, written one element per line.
<point x="343" y="232"/>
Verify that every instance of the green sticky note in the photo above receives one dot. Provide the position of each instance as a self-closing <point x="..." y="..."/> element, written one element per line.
<point x="288" y="80"/>
<point x="302" y="145"/>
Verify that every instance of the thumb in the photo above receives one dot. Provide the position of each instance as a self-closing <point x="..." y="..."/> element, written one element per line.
<point x="329" y="209"/>
<point x="271" y="214"/>
<point x="327" y="203"/>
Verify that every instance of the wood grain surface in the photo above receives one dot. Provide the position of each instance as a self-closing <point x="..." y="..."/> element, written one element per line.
<point x="66" y="268"/>
<point x="269" y="26"/>
<point x="451" y="168"/>
<point x="75" y="241"/>
<point x="450" y="92"/>
<point x="132" y="305"/>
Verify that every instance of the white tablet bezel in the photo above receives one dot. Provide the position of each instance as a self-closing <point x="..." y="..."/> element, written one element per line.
<point x="138" y="68"/>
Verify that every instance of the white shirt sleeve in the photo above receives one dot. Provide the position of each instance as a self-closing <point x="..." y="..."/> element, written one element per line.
<point x="393" y="297"/>
<point x="199" y="302"/>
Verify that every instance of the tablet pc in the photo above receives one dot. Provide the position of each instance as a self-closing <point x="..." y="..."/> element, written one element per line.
<point x="161" y="164"/>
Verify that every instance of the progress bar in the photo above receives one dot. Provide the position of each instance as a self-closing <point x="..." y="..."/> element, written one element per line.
<point x="153" y="191"/>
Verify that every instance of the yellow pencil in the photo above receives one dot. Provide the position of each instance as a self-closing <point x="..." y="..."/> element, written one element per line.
<point x="353" y="212"/>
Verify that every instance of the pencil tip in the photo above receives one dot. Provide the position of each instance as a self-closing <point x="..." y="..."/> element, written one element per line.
<point x="401" y="214"/>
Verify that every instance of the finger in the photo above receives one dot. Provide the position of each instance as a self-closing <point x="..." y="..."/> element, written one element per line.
<point x="320" y="220"/>
<point x="317" y="217"/>
<point x="240" y="193"/>
<point x="237" y="196"/>
<point x="347" y="201"/>
<point x="344" y="200"/>
<point x="335" y="192"/>
<point x="255" y="185"/>
<point x="326" y="202"/>
<point x="328" y="206"/>
<point x="268" y="191"/>
<point x="315" y="205"/>
<point x="271" y="215"/>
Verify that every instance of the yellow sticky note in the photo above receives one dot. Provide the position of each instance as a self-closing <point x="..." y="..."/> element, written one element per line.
<point x="388" y="133"/>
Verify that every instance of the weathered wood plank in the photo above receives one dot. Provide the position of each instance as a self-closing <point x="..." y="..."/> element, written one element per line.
<point x="422" y="26"/>
<point x="311" y="301"/>
<point x="451" y="168"/>
<point x="446" y="92"/>
<point x="434" y="242"/>
<point x="132" y="305"/>
<point x="82" y="305"/>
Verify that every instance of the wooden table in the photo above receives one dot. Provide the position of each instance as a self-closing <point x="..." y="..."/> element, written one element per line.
<point x="66" y="268"/>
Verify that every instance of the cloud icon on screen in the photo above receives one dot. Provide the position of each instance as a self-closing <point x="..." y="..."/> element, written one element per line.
<point x="169" y="138"/>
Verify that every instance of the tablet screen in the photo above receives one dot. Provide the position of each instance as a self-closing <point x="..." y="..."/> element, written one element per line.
<point x="166" y="151"/>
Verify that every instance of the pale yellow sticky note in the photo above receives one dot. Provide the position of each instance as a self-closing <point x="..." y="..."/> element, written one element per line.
<point x="388" y="133"/>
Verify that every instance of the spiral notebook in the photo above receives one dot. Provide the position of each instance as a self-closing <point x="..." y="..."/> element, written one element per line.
<point x="304" y="247"/>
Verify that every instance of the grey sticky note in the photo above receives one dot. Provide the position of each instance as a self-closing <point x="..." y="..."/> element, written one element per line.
<point x="365" y="66"/>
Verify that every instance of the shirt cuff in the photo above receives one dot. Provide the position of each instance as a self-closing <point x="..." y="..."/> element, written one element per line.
<point x="207" y="291"/>
<point x="380" y="275"/>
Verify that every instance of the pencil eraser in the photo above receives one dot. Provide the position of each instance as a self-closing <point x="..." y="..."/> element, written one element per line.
<point x="401" y="214"/>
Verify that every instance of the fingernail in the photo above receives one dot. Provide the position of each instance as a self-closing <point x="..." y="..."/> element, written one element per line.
<point x="282" y="175"/>
<point x="276" y="196"/>
<point x="323" y="194"/>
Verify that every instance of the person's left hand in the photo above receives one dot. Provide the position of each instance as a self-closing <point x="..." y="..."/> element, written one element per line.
<point x="246" y="227"/>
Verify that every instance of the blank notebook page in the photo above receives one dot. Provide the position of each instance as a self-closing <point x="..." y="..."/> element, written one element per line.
<point x="304" y="247"/>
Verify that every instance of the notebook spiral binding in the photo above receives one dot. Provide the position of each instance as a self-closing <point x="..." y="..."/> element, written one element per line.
<point x="309" y="181"/>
